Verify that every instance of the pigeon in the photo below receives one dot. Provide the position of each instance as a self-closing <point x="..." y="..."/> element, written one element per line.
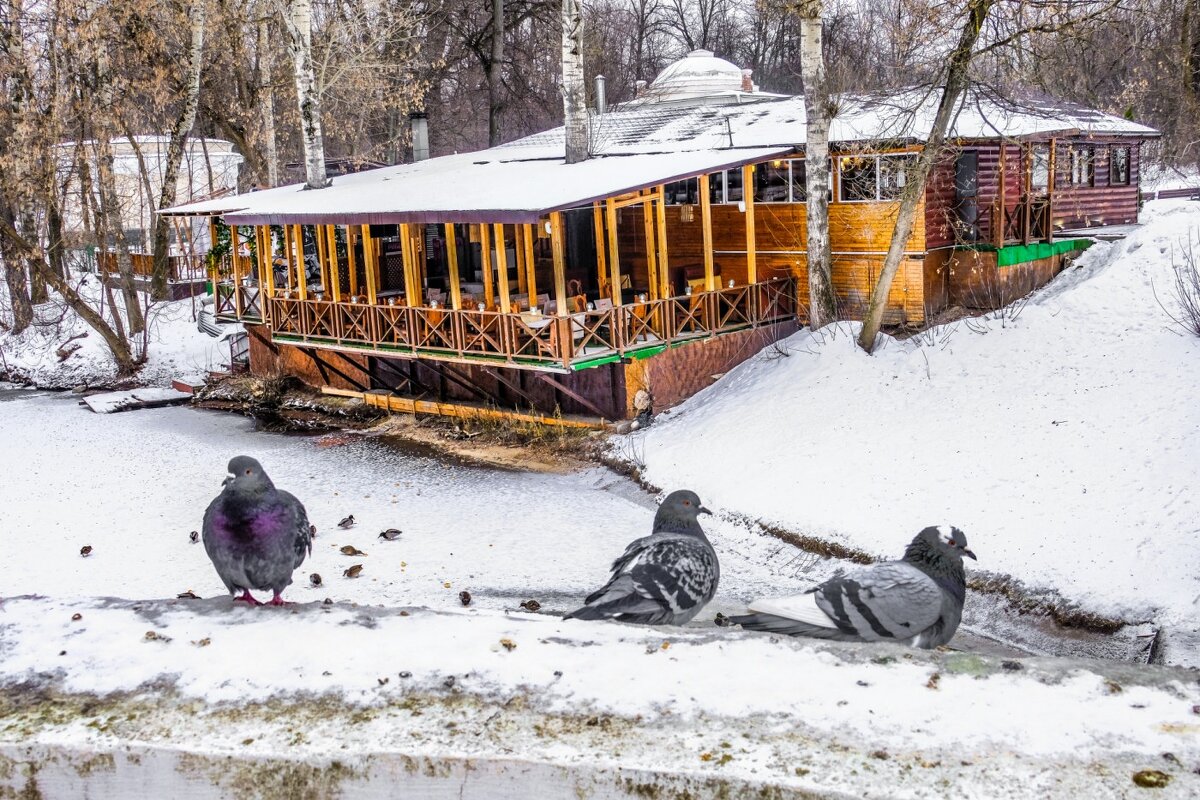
<point x="347" y="523"/>
<point x="665" y="578"/>
<point x="917" y="600"/>
<point x="255" y="535"/>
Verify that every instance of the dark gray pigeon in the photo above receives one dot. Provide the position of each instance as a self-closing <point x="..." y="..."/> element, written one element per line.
<point x="255" y="534"/>
<point x="665" y="578"/>
<point x="917" y="601"/>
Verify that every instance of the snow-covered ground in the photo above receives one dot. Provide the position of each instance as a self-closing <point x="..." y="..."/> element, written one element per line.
<point x="1161" y="178"/>
<point x="1065" y="442"/>
<point x="175" y="347"/>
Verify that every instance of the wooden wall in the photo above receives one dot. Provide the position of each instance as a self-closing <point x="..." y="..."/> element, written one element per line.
<point x="1100" y="203"/>
<point x="977" y="283"/>
<point x="859" y="233"/>
<point x="314" y="366"/>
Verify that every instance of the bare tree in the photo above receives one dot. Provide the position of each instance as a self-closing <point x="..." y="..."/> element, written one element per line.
<point x="298" y="19"/>
<point x="574" y="92"/>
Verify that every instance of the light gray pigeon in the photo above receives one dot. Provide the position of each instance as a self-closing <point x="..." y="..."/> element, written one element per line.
<point x="255" y="535"/>
<point x="665" y="578"/>
<point x="917" y="600"/>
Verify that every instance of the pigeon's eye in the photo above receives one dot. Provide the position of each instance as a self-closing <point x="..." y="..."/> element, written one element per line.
<point x="687" y="502"/>
<point x="248" y="472"/>
<point x="950" y="542"/>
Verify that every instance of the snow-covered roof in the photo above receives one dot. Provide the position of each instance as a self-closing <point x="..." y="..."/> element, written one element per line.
<point x="639" y="147"/>
<point x="488" y="186"/>
<point x="700" y="78"/>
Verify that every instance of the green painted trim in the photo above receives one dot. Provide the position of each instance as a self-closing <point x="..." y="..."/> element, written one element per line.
<point x="1015" y="254"/>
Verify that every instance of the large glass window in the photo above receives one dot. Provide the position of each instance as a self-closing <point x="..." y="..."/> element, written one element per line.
<point x="867" y="178"/>
<point x="1039" y="172"/>
<point x="1118" y="166"/>
<point x="1082" y="165"/>
<point x="683" y="193"/>
<point x="772" y="181"/>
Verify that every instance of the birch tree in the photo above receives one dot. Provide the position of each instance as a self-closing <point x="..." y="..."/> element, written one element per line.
<point x="298" y="20"/>
<point x="818" y="108"/>
<point x="574" y="92"/>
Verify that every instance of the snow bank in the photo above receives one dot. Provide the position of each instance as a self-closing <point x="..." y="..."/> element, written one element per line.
<point x="1064" y="441"/>
<point x="728" y="703"/>
<point x="175" y="345"/>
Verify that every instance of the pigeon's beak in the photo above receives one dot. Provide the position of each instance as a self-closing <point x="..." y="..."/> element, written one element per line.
<point x="967" y="552"/>
<point x="703" y="510"/>
<point x="228" y="479"/>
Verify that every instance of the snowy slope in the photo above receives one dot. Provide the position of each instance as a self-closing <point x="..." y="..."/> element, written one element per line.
<point x="1066" y="442"/>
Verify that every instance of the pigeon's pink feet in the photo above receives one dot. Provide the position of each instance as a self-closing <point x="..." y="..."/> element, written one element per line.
<point x="246" y="597"/>
<point x="278" y="601"/>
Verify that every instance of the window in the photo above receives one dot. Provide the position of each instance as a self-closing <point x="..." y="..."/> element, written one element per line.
<point x="1039" y="168"/>
<point x="1118" y="166"/>
<point x="867" y="178"/>
<point x="857" y="178"/>
<point x="772" y="182"/>
<point x="1082" y="170"/>
<point x="683" y="193"/>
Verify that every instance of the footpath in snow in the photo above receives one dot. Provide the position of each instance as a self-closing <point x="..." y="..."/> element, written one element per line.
<point x="1061" y="434"/>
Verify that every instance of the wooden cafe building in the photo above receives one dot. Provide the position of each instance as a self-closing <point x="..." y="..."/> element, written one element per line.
<point x="506" y="278"/>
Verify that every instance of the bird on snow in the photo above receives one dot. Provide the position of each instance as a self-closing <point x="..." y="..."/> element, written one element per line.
<point x="917" y="600"/>
<point x="347" y="522"/>
<point x="255" y="535"/>
<point x="665" y="578"/>
<point x="391" y="534"/>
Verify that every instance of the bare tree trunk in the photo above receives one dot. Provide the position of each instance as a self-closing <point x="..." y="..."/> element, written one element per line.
<point x="495" y="72"/>
<point x="573" y="90"/>
<point x="110" y="212"/>
<point x="14" y="277"/>
<point x="914" y="188"/>
<point x="13" y="241"/>
<point x="266" y="96"/>
<point x="298" y="21"/>
<point x="822" y="306"/>
<point x="179" y="135"/>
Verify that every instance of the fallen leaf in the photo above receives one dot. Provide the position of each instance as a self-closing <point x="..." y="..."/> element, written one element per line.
<point x="465" y="598"/>
<point x="508" y="644"/>
<point x="85" y="551"/>
<point x="205" y="642"/>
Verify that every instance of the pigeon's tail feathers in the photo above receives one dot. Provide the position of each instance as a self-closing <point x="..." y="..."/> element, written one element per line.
<point x="772" y="623"/>
<point x="586" y="612"/>
<point x="619" y="599"/>
<point x="798" y="608"/>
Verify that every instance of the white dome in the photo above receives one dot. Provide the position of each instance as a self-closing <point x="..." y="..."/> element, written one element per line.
<point x="697" y="74"/>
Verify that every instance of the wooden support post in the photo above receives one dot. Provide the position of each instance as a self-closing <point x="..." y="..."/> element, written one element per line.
<point x="614" y="258"/>
<point x="352" y="259"/>
<point x="530" y="262"/>
<point x="522" y="271"/>
<point x="452" y="262"/>
<point x="289" y="255"/>
<point x="411" y="291"/>
<point x="751" y="251"/>
<point x="651" y="268"/>
<point x="213" y="271"/>
<point x="370" y="264"/>
<point x="1027" y="204"/>
<point x="262" y="243"/>
<point x="301" y="271"/>
<point x="557" y="247"/>
<point x="335" y="278"/>
<point x="710" y="281"/>
<point x="999" y="223"/>
<point x="601" y="263"/>
<point x="663" y="263"/>
<point x="236" y="256"/>
<point x="322" y="262"/>
<point x="502" y="268"/>
<point x="485" y="250"/>
<point x="1048" y="211"/>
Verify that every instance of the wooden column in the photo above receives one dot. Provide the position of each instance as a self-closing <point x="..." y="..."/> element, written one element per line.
<point x="289" y="256"/>
<point x="664" y="265"/>
<point x="266" y="272"/>
<point x="452" y="262"/>
<point x="370" y="264"/>
<point x="335" y="280"/>
<point x="485" y="250"/>
<point x="601" y="266"/>
<point x="502" y="268"/>
<point x="1049" y="210"/>
<point x="751" y="253"/>
<point x="236" y="258"/>
<point x="530" y="262"/>
<point x="213" y="271"/>
<point x="614" y="258"/>
<point x="301" y="272"/>
<point x="557" y="246"/>
<point x="352" y="258"/>
<point x="710" y="281"/>
<point x="411" y="291"/>
<point x="651" y="269"/>
<point x="519" y="249"/>
<point x="322" y="263"/>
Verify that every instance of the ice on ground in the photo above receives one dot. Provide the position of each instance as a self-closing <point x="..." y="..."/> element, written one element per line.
<point x="111" y="402"/>
<point x="1061" y="434"/>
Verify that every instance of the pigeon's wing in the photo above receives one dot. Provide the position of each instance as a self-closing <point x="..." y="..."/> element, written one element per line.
<point x="303" y="543"/>
<point x="892" y="600"/>
<point x="218" y="555"/>
<point x="658" y="580"/>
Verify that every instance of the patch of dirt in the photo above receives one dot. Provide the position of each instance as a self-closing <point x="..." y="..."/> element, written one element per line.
<point x="286" y="404"/>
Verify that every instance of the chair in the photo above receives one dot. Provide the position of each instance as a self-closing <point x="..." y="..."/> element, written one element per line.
<point x="604" y="304"/>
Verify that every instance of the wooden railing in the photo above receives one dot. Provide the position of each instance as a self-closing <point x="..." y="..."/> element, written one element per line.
<point x="179" y="268"/>
<point x="237" y="301"/>
<point x="522" y="338"/>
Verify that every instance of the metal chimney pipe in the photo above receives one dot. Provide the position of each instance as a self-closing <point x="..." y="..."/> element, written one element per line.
<point x="601" y="100"/>
<point x="419" y="124"/>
